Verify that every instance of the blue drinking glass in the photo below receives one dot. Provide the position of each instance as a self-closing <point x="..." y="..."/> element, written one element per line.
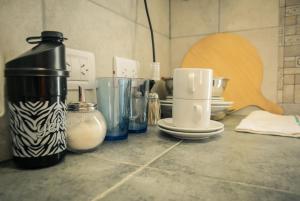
<point x="138" y="120"/>
<point x="113" y="98"/>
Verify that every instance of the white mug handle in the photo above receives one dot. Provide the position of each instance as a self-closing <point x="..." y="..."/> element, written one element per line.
<point x="197" y="112"/>
<point x="191" y="83"/>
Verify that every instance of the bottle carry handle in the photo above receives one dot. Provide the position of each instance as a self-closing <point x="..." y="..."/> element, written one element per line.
<point x="38" y="39"/>
<point x="34" y="39"/>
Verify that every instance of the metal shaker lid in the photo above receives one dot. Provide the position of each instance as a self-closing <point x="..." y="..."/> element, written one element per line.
<point x="82" y="105"/>
<point x="47" y="58"/>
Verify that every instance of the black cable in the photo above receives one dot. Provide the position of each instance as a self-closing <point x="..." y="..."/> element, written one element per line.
<point x="151" y="30"/>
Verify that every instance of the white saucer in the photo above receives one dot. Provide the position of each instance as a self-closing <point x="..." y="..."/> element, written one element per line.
<point x="166" y="101"/>
<point x="190" y="136"/>
<point x="219" y="108"/>
<point x="217" y="98"/>
<point x="217" y="102"/>
<point x="167" y="123"/>
<point x="168" y="105"/>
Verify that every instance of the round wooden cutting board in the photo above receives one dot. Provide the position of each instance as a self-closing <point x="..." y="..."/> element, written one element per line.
<point x="233" y="57"/>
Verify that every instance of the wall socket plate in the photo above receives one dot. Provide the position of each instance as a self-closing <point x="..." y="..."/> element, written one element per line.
<point x="81" y="65"/>
<point x="123" y="67"/>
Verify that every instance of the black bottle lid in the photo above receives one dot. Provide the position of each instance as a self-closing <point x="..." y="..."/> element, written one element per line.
<point x="47" y="58"/>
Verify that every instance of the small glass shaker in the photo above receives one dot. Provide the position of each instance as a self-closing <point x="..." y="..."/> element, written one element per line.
<point x="153" y="109"/>
<point x="86" y="126"/>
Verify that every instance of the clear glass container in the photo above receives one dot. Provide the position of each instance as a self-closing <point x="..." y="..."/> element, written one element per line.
<point x="138" y="106"/>
<point x="113" y="98"/>
<point x="86" y="127"/>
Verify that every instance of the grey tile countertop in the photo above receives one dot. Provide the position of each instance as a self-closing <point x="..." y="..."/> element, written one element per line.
<point x="153" y="166"/>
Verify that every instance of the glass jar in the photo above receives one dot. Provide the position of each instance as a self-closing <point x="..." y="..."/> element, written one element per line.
<point x="86" y="127"/>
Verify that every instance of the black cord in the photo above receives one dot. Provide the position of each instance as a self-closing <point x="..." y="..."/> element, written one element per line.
<point x="151" y="30"/>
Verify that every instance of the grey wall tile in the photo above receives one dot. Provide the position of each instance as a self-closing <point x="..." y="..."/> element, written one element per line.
<point x="297" y="79"/>
<point x="291" y="108"/>
<point x="125" y="8"/>
<point x="280" y="56"/>
<point x="2" y="66"/>
<point x="280" y="79"/>
<point x="291" y="70"/>
<point x="291" y="2"/>
<point x="292" y="10"/>
<point x="281" y="16"/>
<point x="279" y="96"/>
<point x="297" y="93"/>
<point x="265" y="41"/>
<point x="298" y="27"/>
<point x="193" y="17"/>
<point x="288" y="79"/>
<point x="292" y="40"/>
<point x="97" y="30"/>
<point x="179" y="47"/>
<point x="159" y="14"/>
<point x="293" y="50"/>
<point x="288" y="93"/>
<point x="290" y="20"/>
<point x="244" y="14"/>
<point x="289" y="62"/>
<point x="290" y="30"/>
<point x="143" y="51"/>
<point x="18" y="20"/>
<point x="297" y="61"/>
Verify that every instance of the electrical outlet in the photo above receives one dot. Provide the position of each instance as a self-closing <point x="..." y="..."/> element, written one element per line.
<point x="81" y="65"/>
<point x="123" y="67"/>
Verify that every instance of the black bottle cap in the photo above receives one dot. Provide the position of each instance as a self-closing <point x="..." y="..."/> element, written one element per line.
<point x="52" y="34"/>
<point x="47" y="58"/>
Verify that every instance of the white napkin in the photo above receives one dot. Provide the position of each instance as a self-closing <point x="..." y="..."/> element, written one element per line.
<point x="262" y="122"/>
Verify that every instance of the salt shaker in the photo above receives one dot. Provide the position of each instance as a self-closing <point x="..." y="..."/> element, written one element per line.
<point x="153" y="109"/>
<point x="86" y="126"/>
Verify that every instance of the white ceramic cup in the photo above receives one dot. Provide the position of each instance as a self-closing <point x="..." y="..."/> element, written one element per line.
<point x="191" y="113"/>
<point x="192" y="83"/>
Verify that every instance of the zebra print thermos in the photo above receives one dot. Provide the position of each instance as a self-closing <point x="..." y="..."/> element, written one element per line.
<point x="37" y="87"/>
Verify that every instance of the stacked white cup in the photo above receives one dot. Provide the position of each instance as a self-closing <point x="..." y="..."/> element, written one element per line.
<point x="192" y="97"/>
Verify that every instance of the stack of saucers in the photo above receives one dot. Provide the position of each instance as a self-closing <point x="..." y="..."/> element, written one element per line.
<point x="219" y="107"/>
<point x="166" y="125"/>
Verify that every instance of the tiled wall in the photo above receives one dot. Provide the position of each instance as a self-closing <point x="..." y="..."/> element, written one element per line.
<point x="289" y="55"/>
<point x="105" y="27"/>
<point x="255" y="20"/>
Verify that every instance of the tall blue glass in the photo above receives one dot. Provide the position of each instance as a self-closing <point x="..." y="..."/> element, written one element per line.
<point x="138" y="120"/>
<point x="113" y="98"/>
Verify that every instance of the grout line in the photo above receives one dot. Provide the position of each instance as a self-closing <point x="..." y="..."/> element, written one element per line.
<point x="219" y="16"/>
<point x="159" y="33"/>
<point x="170" y="19"/>
<point x="128" y="177"/>
<point x="132" y="164"/>
<point x="111" y="10"/>
<point x="121" y="162"/>
<point x="127" y="18"/>
<point x="43" y="5"/>
<point x="250" y="185"/>
<point x="170" y="41"/>
<point x="135" y="30"/>
<point x="234" y="31"/>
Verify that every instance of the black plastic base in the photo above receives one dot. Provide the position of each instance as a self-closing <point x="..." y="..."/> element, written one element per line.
<point x="39" y="162"/>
